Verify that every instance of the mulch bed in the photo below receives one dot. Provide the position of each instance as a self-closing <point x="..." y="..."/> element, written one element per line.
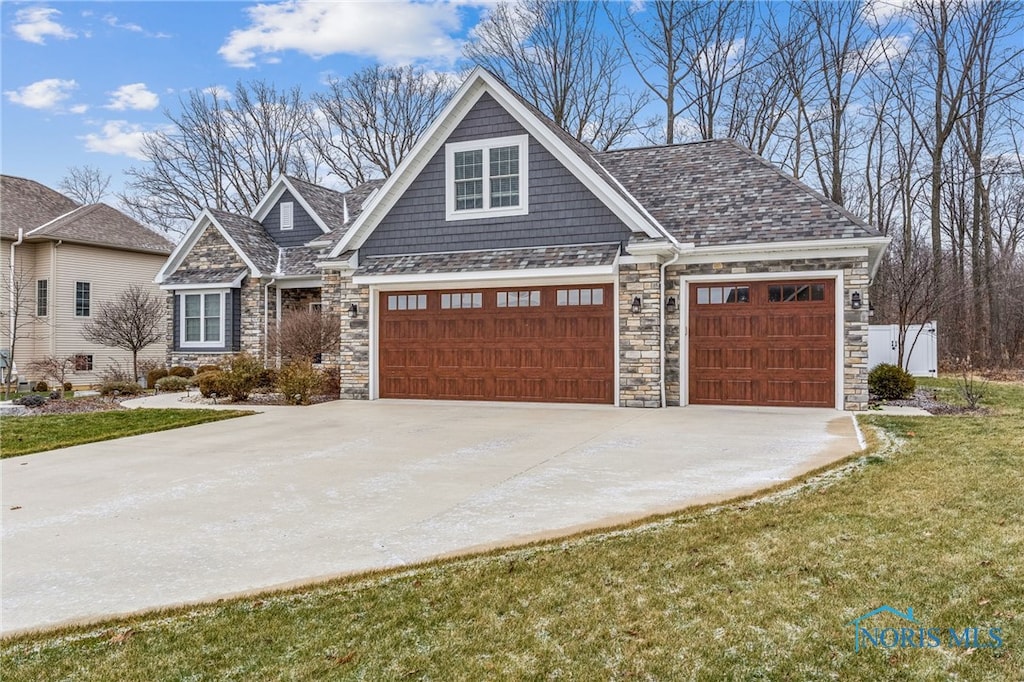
<point x="926" y="399"/>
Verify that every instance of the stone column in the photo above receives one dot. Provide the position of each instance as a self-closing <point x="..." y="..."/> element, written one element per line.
<point x="855" y="329"/>
<point x="640" y="336"/>
<point x="353" y="358"/>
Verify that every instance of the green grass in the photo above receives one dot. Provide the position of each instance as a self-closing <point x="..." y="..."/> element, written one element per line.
<point x="25" y="435"/>
<point x="758" y="589"/>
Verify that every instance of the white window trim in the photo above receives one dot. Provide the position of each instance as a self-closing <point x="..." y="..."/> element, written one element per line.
<point x="523" y="142"/>
<point x="222" y="343"/>
<point x="45" y="300"/>
<point x="291" y="215"/>
<point x="75" y="300"/>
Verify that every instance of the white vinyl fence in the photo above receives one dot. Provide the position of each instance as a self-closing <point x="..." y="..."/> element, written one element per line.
<point x="921" y="356"/>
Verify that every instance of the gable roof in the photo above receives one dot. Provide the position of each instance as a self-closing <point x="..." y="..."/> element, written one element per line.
<point x="717" y="192"/>
<point x="575" y="156"/>
<point x="102" y="225"/>
<point x="26" y="204"/>
<point x="249" y="238"/>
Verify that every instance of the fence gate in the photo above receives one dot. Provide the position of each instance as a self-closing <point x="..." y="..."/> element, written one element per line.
<point x="921" y="356"/>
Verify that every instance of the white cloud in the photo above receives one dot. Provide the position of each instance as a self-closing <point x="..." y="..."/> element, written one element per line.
<point x="133" y="96"/>
<point x="118" y="138"/>
<point x="390" y="32"/>
<point x="880" y="12"/>
<point x="889" y="48"/>
<point x="35" y="24"/>
<point x="114" y="22"/>
<point x="44" y="94"/>
<point x="79" y="109"/>
<point x="218" y="91"/>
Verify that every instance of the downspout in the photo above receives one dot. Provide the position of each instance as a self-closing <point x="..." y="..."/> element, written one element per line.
<point x="661" y="298"/>
<point x="266" y="318"/>
<point x="12" y="290"/>
<point x="52" y="294"/>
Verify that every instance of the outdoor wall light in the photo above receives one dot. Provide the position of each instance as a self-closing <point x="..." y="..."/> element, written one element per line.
<point x="855" y="300"/>
<point x="635" y="308"/>
<point x="670" y="307"/>
<point x="353" y="311"/>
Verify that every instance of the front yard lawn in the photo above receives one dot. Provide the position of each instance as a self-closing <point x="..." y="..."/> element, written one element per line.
<point x="24" y="435"/>
<point x="762" y="588"/>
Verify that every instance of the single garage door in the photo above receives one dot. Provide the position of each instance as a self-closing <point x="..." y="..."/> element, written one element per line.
<point x="543" y="344"/>
<point x="763" y="343"/>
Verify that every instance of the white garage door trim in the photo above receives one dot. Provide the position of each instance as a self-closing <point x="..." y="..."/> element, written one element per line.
<point x="684" y="319"/>
<point x="485" y="282"/>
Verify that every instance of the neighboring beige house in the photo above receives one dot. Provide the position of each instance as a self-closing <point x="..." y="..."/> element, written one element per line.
<point x="68" y="259"/>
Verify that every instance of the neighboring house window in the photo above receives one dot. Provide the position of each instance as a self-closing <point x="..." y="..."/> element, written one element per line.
<point x="486" y="178"/>
<point x="42" y="297"/>
<point x="83" y="363"/>
<point x="202" y="319"/>
<point x="287" y="215"/>
<point x="83" y="299"/>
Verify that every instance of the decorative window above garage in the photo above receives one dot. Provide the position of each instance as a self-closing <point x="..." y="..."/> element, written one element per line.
<point x="486" y="178"/>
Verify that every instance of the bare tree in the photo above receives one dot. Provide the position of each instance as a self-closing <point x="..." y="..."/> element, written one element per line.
<point x="54" y="368"/>
<point x="303" y="335"/>
<point x="223" y="150"/>
<point x="133" y="321"/>
<point x="365" y="124"/>
<point x="553" y="54"/>
<point x="85" y="184"/>
<point x="19" y="290"/>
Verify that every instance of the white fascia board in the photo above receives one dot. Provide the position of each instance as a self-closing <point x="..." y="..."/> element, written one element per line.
<point x="233" y="284"/>
<point x="494" y="276"/>
<point x="184" y="246"/>
<point x="783" y="250"/>
<point x="304" y="282"/>
<point x="275" y="193"/>
<point x="659" y="248"/>
<point x="350" y="264"/>
<point x="410" y="167"/>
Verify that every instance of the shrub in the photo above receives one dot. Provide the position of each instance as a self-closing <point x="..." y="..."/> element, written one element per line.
<point x="68" y="386"/>
<point x="889" y="382"/>
<point x="155" y="375"/>
<point x="207" y="368"/>
<point x="172" y="384"/>
<point x="297" y="381"/>
<point x="212" y="382"/>
<point x="30" y="401"/>
<point x="42" y="386"/>
<point x="184" y="372"/>
<point x="330" y="382"/>
<point x="243" y="375"/>
<point x="56" y="395"/>
<point x="110" y="388"/>
<point x="267" y="381"/>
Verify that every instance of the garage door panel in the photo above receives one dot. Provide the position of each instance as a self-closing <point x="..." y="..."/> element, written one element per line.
<point x="770" y="346"/>
<point x="491" y="350"/>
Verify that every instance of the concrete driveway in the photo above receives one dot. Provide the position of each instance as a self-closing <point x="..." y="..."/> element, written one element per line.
<point x="298" y="494"/>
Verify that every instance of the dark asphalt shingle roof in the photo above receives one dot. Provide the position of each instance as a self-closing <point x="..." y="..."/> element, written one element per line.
<point x="103" y="225"/>
<point x="26" y="204"/>
<point x="222" y="276"/>
<point x="355" y="198"/>
<point x="299" y="260"/>
<point x="250" y="237"/>
<point x="717" y="192"/>
<point x="504" y="259"/>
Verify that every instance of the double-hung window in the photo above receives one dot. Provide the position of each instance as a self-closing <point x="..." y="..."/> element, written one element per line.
<point x="486" y="178"/>
<point x="42" y="297"/>
<point x="202" y="319"/>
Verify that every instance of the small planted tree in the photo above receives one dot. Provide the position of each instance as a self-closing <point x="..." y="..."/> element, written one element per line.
<point x="303" y="335"/>
<point x="133" y="321"/>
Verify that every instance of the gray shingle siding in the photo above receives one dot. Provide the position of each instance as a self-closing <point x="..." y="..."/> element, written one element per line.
<point x="562" y="210"/>
<point x="304" y="228"/>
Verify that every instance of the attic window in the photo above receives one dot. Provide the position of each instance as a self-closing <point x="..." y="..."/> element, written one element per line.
<point x="486" y="178"/>
<point x="287" y="215"/>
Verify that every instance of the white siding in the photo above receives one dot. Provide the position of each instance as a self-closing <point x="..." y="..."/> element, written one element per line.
<point x="108" y="272"/>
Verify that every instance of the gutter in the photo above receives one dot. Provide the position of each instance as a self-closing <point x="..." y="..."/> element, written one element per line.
<point x="13" y="291"/>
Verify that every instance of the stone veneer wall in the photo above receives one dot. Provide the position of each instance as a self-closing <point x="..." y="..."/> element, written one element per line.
<point x="855" y="322"/>
<point x="353" y="360"/>
<point x="640" y="336"/>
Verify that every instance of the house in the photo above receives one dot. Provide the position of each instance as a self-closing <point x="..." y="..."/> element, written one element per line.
<point x="65" y="260"/>
<point x="504" y="260"/>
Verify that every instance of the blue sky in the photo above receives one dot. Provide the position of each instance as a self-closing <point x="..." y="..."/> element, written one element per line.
<point x="82" y="81"/>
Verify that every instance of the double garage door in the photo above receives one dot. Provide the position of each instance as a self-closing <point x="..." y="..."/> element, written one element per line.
<point x="763" y="343"/>
<point x="543" y="344"/>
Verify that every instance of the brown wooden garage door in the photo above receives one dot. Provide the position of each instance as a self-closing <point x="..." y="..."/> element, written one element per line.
<point x="763" y="343"/>
<point x="544" y="344"/>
